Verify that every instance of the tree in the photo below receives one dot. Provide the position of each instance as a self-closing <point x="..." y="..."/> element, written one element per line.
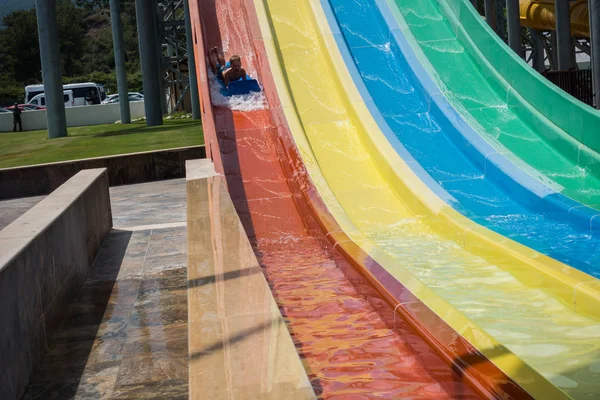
<point x="86" y="46"/>
<point x="72" y="34"/>
<point x="91" y="5"/>
<point x="19" y="50"/>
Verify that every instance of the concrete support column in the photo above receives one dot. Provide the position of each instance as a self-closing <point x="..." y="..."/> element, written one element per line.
<point x="554" y="53"/>
<point x="121" y="71"/>
<point x="594" y="7"/>
<point x="514" y="26"/>
<point x="159" y="59"/>
<point x="51" y="68"/>
<point x="563" y="34"/>
<point x="501" y="29"/>
<point x="194" y="97"/>
<point x="538" y="51"/>
<point x="490" y="13"/>
<point x="147" y="43"/>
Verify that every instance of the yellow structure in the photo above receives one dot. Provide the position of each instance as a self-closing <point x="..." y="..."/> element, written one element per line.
<point x="539" y="14"/>
<point x="517" y="306"/>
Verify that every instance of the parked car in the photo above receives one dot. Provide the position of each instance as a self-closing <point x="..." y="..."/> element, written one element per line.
<point x="114" y="98"/>
<point x="109" y="98"/>
<point x="4" y="110"/>
<point x="26" y="107"/>
<point x="33" y="107"/>
<point x="40" y="99"/>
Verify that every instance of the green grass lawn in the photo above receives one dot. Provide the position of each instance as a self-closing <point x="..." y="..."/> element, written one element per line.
<point x="34" y="147"/>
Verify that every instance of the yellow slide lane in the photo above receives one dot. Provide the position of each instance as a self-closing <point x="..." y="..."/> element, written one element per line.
<point x="472" y="278"/>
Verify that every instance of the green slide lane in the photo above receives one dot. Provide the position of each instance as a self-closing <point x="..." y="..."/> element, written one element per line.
<point x="532" y="122"/>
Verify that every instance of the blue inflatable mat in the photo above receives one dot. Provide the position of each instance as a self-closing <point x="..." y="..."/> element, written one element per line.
<point x="243" y="87"/>
<point x="240" y="87"/>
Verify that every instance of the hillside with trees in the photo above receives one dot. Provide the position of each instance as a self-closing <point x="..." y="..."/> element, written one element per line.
<point x="86" y="47"/>
<point x="9" y="6"/>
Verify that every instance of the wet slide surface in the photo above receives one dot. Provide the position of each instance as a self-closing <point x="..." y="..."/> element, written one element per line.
<point x="550" y="337"/>
<point x="492" y="109"/>
<point x="488" y="198"/>
<point x="347" y="347"/>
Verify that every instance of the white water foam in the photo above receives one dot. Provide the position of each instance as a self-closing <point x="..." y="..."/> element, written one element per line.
<point x="243" y="102"/>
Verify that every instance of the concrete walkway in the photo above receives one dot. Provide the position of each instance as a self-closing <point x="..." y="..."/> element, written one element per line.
<point x="125" y="333"/>
<point x="12" y="209"/>
<point x="149" y="205"/>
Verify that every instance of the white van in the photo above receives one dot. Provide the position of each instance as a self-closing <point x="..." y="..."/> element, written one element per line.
<point x="84" y="94"/>
<point x="40" y="99"/>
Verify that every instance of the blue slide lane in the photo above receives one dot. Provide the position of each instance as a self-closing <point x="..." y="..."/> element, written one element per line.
<point x="445" y="152"/>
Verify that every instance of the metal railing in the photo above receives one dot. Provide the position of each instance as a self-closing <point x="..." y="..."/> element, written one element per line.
<point x="578" y="83"/>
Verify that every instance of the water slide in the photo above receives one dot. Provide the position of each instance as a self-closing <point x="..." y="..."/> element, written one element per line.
<point x="542" y="129"/>
<point x="353" y="335"/>
<point x="386" y="209"/>
<point x="438" y="144"/>
<point x="504" y="299"/>
<point x="425" y="129"/>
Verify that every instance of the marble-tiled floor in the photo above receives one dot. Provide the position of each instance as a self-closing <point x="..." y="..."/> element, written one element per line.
<point x="12" y="209"/>
<point x="125" y="333"/>
<point x="149" y="204"/>
<point x="138" y="206"/>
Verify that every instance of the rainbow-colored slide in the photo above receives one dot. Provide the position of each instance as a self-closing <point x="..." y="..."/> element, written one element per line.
<point x="363" y="161"/>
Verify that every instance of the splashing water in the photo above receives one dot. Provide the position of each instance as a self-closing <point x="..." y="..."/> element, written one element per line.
<point x="243" y="102"/>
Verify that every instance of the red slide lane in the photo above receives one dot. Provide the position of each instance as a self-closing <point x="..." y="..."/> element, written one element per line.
<point x="339" y="321"/>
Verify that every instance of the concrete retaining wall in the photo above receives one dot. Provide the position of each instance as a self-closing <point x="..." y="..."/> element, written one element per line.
<point x="76" y="116"/>
<point x="122" y="169"/>
<point x="44" y="256"/>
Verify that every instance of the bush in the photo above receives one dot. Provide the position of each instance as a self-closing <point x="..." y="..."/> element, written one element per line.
<point x="11" y="94"/>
